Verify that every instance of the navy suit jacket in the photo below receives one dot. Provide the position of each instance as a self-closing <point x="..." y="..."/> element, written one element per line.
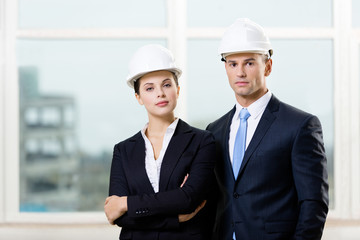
<point x="155" y="215"/>
<point x="281" y="191"/>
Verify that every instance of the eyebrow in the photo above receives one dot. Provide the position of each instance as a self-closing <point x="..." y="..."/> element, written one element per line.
<point x="249" y="59"/>
<point x="166" y="79"/>
<point x="246" y="60"/>
<point x="150" y="83"/>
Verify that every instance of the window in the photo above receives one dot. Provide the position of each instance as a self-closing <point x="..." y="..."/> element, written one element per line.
<point x="65" y="103"/>
<point x="65" y="14"/>
<point x="73" y="98"/>
<point x="278" y="13"/>
<point x="355" y="13"/>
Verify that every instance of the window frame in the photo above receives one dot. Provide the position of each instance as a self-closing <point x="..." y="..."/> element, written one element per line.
<point x="346" y="80"/>
<point x="355" y="122"/>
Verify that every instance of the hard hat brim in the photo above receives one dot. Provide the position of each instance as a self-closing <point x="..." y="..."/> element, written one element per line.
<point x="130" y="81"/>
<point x="224" y="55"/>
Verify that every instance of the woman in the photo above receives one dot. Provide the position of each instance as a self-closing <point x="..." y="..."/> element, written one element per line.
<point x="161" y="176"/>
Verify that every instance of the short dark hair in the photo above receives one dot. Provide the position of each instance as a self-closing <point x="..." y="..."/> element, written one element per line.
<point x="137" y="83"/>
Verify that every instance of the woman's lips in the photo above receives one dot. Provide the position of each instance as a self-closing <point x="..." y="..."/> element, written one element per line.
<point x="162" y="103"/>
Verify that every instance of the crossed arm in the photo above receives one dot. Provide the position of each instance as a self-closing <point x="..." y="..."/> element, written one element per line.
<point x="116" y="206"/>
<point x="168" y="208"/>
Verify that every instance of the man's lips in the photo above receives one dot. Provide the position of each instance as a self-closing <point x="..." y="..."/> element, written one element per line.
<point x="162" y="103"/>
<point x="241" y="83"/>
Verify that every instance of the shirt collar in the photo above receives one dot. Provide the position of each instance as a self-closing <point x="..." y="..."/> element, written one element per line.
<point x="257" y="107"/>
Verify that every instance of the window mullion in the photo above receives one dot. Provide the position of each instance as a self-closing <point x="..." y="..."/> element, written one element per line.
<point x="342" y="109"/>
<point x="2" y="139"/>
<point x="178" y="45"/>
<point x="11" y="113"/>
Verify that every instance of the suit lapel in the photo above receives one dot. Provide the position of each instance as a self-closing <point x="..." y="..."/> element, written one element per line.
<point x="225" y="142"/>
<point x="179" y="141"/>
<point x="135" y="150"/>
<point x="266" y="120"/>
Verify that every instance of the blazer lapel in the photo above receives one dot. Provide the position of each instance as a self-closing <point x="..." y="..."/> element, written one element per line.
<point x="266" y="120"/>
<point x="179" y="141"/>
<point x="135" y="150"/>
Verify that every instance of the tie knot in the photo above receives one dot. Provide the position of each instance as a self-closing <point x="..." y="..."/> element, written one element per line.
<point x="244" y="114"/>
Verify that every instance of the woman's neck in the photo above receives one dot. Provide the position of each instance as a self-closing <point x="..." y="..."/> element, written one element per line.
<point x="158" y="125"/>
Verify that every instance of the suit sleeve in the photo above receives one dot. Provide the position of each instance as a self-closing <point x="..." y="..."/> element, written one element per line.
<point x="310" y="176"/>
<point x="184" y="199"/>
<point x="119" y="187"/>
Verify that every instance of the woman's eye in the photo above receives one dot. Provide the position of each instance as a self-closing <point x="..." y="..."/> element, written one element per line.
<point x="167" y="85"/>
<point x="149" y="89"/>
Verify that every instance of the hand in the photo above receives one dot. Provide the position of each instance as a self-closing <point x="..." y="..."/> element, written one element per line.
<point x="187" y="217"/>
<point x="115" y="207"/>
<point x="184" y="181"/>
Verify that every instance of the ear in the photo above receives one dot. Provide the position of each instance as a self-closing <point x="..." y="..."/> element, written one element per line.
<point x="139" y="99"/>
<point x="178" y="91"/>
<point x="268" y="67"/>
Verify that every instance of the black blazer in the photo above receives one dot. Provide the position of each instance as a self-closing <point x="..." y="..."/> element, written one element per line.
<point x="281" y="191"/>
<point x="155" y="215"/>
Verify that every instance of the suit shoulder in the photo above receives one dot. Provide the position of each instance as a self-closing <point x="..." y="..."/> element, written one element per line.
<point x="130" y="139"/>
<point x="195" y="130"/>
<point x="199" y="134"/>
<point x="296" y="115"/>
<point x="291" y="110"/>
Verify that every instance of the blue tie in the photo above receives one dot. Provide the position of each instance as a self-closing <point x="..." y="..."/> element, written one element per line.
<point x="240" y="142"/>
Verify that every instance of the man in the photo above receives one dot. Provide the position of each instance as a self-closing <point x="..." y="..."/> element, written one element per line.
<point x="277" y="188"/>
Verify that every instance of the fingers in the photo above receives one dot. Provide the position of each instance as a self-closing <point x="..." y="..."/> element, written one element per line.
<point x="184" y="181"/>
<point x="187" y="217"/>
<point x="109" y="210"/>
<point x="108" y="215"/>
<point x="108" y="199"/>
<point x="202" y="204"/>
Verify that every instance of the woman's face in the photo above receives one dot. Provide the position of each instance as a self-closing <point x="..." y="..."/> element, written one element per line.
<point x="158" y="92"/>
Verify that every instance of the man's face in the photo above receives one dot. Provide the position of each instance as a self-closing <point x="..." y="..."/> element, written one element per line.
<point x="246" y="73"/>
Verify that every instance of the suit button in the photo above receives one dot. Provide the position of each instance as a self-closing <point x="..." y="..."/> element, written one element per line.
<point x="236" y="195"/>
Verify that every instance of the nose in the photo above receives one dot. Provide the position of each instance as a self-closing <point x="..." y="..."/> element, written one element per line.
<point x="240" y="71"/>
<point x="160" y="92"/>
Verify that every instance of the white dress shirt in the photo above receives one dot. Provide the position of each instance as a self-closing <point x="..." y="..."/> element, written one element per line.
<point x="152" y="165"/>
<point x="256" y="110"/>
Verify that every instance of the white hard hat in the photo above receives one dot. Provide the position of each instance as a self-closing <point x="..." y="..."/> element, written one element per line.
<point x="244" y="35"/>
<point x="150" y="58"/>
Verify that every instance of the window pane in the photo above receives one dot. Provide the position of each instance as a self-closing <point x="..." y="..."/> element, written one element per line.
<point x="91" y="13"/>
<point x="305" y="80"/>
<point x="355" y="13"/>
<point x="206" y="79"/>
<point x="74" y="106"/>
<point x="296" y="79"/>
<point x="278" y="13"/>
